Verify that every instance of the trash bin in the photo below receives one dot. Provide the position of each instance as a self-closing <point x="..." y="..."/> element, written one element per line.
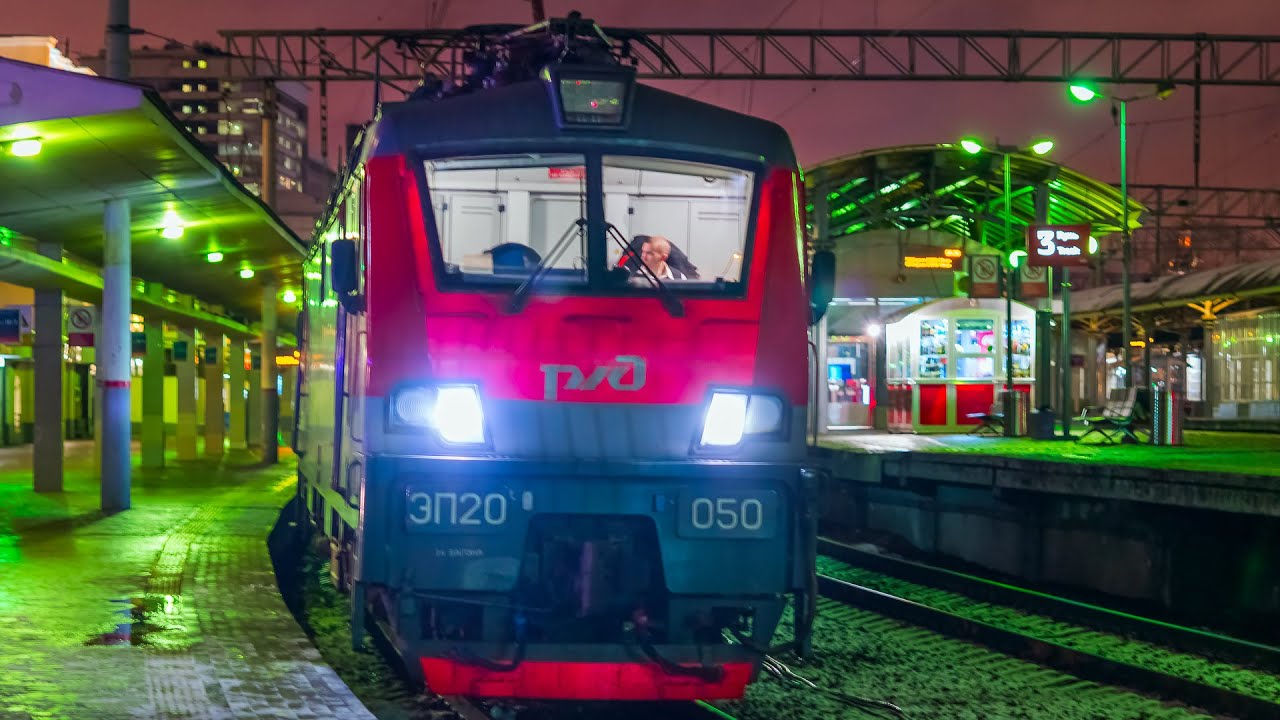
<point x="1042" y="424"/>
<point x="1016" y="425"/>
<point x="1166" y="417"/>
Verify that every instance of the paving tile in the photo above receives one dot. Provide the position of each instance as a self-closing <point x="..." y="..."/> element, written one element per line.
<point x="168" y="610"/>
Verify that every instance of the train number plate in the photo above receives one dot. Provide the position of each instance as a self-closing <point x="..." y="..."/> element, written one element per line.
<point x="728" y="514"/>
<point x="471" y="511"/>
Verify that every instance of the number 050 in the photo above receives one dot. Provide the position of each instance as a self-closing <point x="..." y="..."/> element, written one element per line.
<point x="727" y="513"/>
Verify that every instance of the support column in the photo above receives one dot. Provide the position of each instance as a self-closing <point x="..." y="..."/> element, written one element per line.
<point x="881" y="418"/>
<point x="253" y="403"/>
<point x="237" y="437"/>
<point x="1209" y="365"/>
<point x="270" y="399"/>
<point x="46" y="397"/>
<point x="213" y="418"/>
<point x="1095" y="370"/>
<point x="113" y="358"/>
<point x="153" y="396"/>
<point x="184" y="351"/>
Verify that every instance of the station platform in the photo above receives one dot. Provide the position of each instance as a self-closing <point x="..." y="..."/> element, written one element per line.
<point x="167" y="610"/>
<point x="1244" y="453"/>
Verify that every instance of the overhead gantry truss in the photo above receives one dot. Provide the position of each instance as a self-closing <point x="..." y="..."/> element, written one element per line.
<point x="403" y="56"/>
<point x="1245" y="207"/>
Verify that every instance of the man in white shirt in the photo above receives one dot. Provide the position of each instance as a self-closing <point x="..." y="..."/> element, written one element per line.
<point x="654" y="254"/>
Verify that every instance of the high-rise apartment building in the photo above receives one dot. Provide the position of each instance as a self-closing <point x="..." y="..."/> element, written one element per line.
<point x="226" y="115"/>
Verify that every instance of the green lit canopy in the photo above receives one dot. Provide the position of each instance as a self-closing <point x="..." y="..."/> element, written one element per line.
<point x="942" y="187"/>
<point x="103" y="139"/>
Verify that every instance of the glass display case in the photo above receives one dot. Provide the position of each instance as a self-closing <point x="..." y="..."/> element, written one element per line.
<point x="947" y="361"/>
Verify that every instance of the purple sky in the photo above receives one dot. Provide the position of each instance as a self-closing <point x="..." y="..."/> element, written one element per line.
<point x="1241" y="139"/>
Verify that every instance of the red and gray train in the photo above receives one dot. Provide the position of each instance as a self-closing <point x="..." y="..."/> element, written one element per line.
<point x="550" y="463"/>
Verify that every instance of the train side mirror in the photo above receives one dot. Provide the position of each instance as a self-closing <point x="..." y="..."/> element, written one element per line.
<point x="344" y="274"/>
<point x="822" y="284"/>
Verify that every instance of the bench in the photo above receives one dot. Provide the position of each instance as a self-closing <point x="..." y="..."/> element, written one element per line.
<point x="1116" y="420"/>
<point x="992" y="420"/>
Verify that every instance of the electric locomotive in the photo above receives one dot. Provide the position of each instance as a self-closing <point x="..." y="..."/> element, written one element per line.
<point x="554" y="374"/>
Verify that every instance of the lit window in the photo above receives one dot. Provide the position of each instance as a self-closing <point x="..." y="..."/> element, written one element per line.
<point x="186" y="87"/>
<point x="202" y="130"/>
<point x="186" y="63"/>
<point x="202" y="64"/>
<point x="202" y="109"/>
<point x="186" y="108"/>
<point x="202" y="87"/>
<point x="235" y="169"/>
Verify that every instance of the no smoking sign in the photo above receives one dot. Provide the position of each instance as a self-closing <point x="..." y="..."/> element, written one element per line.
<point x="82" y="323"/>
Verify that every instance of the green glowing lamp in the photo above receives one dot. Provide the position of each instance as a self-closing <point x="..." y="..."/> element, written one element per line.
<point x="26" y="147"/>
<point x="246" y="273"/>
<point x="289" y="297"/>
<point x="1081" y="92"/>
<point x="1093" y="245"/>
<point x="1043" y="147"/>
<point x="1015" y="258"/>
<point x="971" y="146"/>
<point x="214" y="257"/>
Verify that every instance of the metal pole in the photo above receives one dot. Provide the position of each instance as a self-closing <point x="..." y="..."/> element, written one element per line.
<point x="1128" y="250"/>
<point x="118" y="39"/>
<point x="1010" y="406"/>
<point x="1066" y="353"/>
<point x="113" y="363"/>
<point x="267" y="187"/>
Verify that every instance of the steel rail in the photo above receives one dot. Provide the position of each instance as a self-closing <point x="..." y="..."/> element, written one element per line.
<point x="1190" y="640"/>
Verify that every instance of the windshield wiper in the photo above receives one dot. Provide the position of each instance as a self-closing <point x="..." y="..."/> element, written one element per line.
<point x="520" y="297"/>
<point x="669" y="300"/>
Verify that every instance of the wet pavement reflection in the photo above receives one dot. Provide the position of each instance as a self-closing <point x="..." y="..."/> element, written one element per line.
<point x="167" y="610"/>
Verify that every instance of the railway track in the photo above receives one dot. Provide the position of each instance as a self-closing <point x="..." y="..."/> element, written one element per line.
<point x="1216" y="672"/>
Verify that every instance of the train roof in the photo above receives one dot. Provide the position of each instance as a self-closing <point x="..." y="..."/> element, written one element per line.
<point x="522" y="114"/>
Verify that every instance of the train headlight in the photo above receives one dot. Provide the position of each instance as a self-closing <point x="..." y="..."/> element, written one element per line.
<point x="454" y="412"/>
<point x="458" y="416"/>
<point x="731" y="416"/>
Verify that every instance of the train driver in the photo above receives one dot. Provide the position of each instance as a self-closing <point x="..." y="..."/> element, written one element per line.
<point x="654" y="254"/>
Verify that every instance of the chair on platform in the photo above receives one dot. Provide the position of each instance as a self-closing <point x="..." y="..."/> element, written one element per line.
<point x="992" y="420"/>
<point x="1116" y="420"/>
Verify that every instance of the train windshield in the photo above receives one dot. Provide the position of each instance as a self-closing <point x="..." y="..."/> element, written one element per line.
<point x="686" y="221"/>
<point x="500" y="218"/>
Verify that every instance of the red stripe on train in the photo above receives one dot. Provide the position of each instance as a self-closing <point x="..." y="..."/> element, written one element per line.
<point x="546" y="680"/>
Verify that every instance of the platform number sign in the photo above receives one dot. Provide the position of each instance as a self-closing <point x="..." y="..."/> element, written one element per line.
<point x="1058" y="245"/>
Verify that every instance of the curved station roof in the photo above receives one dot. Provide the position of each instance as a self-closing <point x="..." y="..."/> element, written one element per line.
<point x="942" y="187"/>
<point x="69" y="142"/>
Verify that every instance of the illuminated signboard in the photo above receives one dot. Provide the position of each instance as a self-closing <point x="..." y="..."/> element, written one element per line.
<point x="1058" y="245"/>
<point x="933" y="258"/>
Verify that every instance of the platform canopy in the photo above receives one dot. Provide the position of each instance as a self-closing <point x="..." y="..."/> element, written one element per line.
<point x="943" y="187"/>
<point x="100" y="139"/>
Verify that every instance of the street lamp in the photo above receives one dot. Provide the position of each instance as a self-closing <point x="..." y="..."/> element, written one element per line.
<point x="1040" y="147"/>
<point x="1085" y="92"/>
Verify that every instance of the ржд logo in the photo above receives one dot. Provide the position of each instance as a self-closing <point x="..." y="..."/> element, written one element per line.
<point x="574" y="379"/>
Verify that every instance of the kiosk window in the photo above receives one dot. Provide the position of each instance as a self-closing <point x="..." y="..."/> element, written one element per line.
<point x="933" y="349"/>
<point x="975" y="349"/>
